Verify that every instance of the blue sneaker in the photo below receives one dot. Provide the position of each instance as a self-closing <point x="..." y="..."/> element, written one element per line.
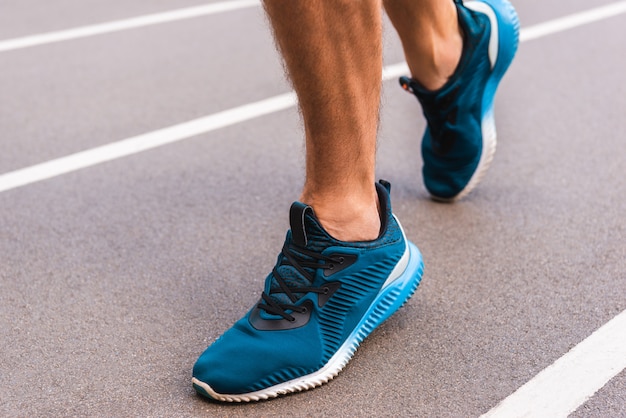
<point x="321" y="300"/>
<point x="460" y="140"/>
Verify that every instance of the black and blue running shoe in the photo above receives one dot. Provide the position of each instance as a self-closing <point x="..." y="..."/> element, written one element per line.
<point x="460" y="140"/>
<point x="321" y="300"/>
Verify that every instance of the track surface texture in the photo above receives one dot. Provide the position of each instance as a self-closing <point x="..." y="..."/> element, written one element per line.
<point x="115" y="277"/>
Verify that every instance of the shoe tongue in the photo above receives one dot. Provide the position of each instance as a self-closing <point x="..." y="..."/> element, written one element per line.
<point x="297" y="221"/>
<point x="306" y="230"/>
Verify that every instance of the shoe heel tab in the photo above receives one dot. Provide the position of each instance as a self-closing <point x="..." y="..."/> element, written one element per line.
<point x="384" y="189"/>
<point x="407" y="84"/>
<point x="386" y="185"/>
<point x="297" y="213"/>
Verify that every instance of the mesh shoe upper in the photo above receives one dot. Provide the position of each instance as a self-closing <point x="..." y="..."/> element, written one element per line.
<point x="312" y="301"/>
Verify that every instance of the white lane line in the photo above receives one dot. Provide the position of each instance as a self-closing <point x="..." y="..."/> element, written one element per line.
<point x="129" y="146"/>
<point x="571" y="21"/>
<point x="119" y="25"/>
<point x="571" y="380"/>
<point x="537" y="31"/>
<point x="395" y="70"/>
<point x="144" y="142"/>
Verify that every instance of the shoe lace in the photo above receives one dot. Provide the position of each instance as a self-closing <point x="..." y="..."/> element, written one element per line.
<point x="441" y="113"/>
<point x="301" y="259"/>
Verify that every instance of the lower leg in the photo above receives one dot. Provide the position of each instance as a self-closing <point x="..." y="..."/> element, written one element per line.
<point x="431" y="38"/>
<point x="333" y="54"/>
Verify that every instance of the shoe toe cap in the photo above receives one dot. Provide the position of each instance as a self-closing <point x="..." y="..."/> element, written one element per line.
<point x="244" y="360"/>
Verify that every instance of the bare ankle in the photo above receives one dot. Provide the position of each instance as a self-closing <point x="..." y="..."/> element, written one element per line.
<point x="431" y="37"/>
<point x="434" y="65"/>
<point x="365" y="226"/>
<point x="347" y="219"/>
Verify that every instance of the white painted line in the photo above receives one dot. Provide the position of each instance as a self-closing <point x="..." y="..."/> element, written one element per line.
<point x="144" y="142"/>
<point x="571" y="380"/>
<point x="395" y="70"/>
<point x="150" y="140"/>
<point x="155" y="139"/>
<point x="119" y="25"/>
<point x="572" y="21"/>
<point x="534" y="32"/>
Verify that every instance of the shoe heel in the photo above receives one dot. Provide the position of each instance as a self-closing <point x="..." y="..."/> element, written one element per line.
<point x="508" y="35"/>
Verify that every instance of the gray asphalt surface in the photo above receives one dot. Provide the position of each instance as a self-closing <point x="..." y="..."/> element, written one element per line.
<point x="114" y="278"/>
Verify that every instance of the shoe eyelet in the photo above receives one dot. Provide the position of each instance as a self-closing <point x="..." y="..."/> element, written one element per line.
<point x="341" y="260"/>
<point x="331" y="266"/>
<point x="292" y="319"/>
<point x="326" y="290"/>
<point x="303" y="310"/>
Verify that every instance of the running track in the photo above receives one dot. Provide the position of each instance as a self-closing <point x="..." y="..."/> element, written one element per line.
<point x="125" y="250"/>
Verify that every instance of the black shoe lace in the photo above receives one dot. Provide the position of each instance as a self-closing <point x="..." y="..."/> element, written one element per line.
<point x="295" y="257"/>
<point x="440" y="112"/>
